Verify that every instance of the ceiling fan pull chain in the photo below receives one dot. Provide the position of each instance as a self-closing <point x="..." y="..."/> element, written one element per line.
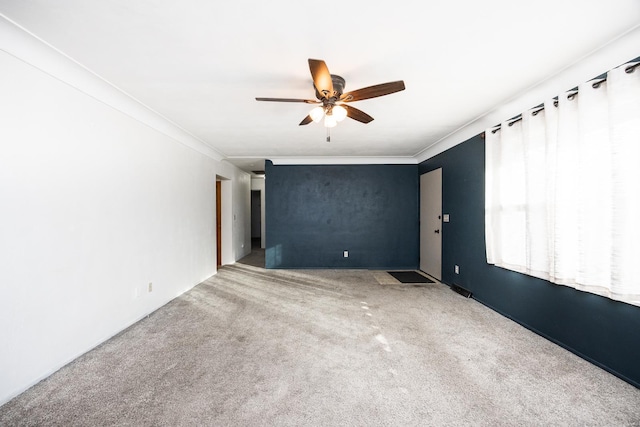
<point x="328" y="134"/>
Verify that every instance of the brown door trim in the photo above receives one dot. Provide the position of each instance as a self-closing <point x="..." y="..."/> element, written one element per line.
<point x="218" y="223"/>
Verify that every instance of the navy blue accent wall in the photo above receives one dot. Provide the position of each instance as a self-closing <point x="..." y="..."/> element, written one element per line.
<point x="603" y="331"/>
<point x="314" y="213"/>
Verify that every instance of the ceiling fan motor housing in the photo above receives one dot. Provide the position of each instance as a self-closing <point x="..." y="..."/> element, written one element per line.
<point x="338" y="87"/>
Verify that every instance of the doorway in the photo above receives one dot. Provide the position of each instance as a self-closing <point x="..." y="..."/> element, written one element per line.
<point x="256" y="219"/>
<point x="431" y="223"/>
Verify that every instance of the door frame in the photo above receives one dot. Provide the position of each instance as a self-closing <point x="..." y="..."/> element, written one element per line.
<point x="218" y="223"/>
<point x="224" y="192"/>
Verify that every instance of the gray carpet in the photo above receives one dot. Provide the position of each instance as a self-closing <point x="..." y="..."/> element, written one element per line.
<point x="255" y="347"/>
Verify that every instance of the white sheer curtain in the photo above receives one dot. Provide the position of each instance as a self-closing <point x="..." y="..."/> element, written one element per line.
<point x="562" y="190"/>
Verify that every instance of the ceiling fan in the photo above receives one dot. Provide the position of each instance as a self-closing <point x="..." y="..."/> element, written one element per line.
<point x="329" y="91"/>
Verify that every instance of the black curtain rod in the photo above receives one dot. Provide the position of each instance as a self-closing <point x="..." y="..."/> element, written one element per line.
<point x="596" y="84"/>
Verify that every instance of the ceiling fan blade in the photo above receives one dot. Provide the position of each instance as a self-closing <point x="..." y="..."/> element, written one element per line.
<point x="373" y="91"/>
<point x="358" y="115"/>
<point x="306" y="121"/>
<point x="306" y="101"/>
<point x="321" y="77"/>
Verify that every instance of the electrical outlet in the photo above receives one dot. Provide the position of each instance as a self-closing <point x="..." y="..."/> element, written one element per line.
<point x="457" y="269"/>
<point x="345" y="254"/>
<point x="150" y="287"/>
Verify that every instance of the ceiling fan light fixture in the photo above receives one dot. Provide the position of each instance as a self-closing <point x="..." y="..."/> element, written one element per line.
<point x="339" y="112"/>
<point x="317" y="114"/>
<point x="330" y="121"/>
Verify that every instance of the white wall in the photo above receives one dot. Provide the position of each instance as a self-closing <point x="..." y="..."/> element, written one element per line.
<point x="99" y="197"/>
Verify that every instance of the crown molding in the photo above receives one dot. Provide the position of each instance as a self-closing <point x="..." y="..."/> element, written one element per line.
<point x="345" y="160"/>
<point x="30" y="49"/>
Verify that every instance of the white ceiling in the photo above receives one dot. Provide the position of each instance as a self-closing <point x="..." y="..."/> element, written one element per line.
<point x="201" y="64"/>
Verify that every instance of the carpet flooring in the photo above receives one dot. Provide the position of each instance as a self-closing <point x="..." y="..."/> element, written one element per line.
<point x="256" y="347"/>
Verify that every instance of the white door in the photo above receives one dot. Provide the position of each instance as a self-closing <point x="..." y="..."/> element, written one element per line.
<point x="431" y="223"/>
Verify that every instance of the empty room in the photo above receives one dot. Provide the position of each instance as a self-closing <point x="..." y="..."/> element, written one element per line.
<point x="290" y="214"/>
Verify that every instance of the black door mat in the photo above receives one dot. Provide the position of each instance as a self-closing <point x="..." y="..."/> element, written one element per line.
<point x="410" y="277"/>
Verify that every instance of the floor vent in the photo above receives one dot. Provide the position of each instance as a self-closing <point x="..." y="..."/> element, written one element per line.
<point x="462" y="291"/>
